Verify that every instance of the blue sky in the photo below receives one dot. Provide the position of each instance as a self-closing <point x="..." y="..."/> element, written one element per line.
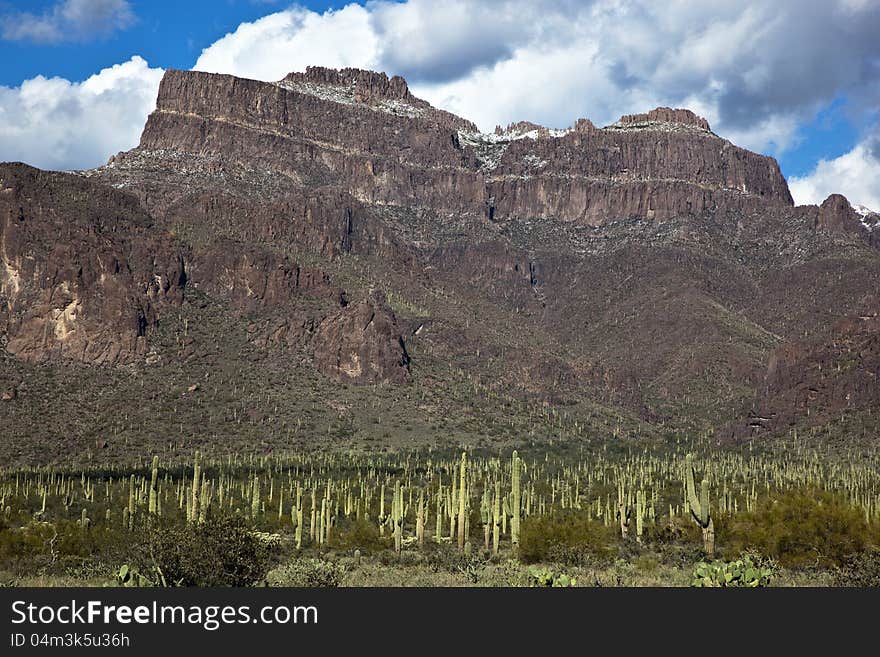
<point x="796" y="79"/>
<point x="166" y="34"/>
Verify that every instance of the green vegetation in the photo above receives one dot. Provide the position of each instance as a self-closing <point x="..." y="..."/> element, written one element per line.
<point x="742" y="572"/>
<point x="546" y="577"/>
<point x="568" y="537"/>
<point x="605" y="514"/>
<point x="803" y="527"/>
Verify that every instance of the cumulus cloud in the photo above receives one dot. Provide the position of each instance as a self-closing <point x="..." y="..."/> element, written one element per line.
<point x="428" y="42"/>
<point x="53" y="123"/>
<point x="291" y="40"/>
<point x="855" y="174"/>
<point x="68" y="20"/>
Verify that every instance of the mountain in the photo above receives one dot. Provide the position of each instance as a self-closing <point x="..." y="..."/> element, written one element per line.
<point x="328" y="251"/>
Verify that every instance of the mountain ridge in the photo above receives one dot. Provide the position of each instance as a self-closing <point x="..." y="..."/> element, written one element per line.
<point x="333" y="221"/>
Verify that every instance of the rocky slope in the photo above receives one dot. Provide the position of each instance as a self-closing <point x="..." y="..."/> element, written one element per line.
<point x="333" y="221"/>
<point x="84" y="272"/>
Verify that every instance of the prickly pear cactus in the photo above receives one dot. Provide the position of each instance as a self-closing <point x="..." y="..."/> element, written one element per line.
<point x="743" y="572"/>
<point x="542" y="576"/>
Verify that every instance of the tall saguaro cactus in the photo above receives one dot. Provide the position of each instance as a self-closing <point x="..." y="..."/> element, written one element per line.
<point x="193" y="515"/>
<point x="299" y="517"/>
<point x="624" y="510"/>
<point x="699" y="506"/>
<point x="397" y="517"/>
<point x="255" y="497"/>
<point x="641" y="511"/>
<point x="496" y="517"/>
<point x="515" y="498"/>
<point x="462" y="501"/>
<point x="154" y="487"/>
<point x="383" y="519"/>
<point x="131" y="502"/>
<point x="438" y="530"/>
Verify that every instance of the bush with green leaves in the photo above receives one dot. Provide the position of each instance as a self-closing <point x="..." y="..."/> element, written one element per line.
<point x="539" y="576"/>
<point x="801" y="528"/>
<point x="217" y="552"/>
<point x="312" y="573"/>
<point x="358" y="535"/>
<point x="746" y="572"/>
<point x="568" y="537"/>
<point x="38" y="546"/>
<point x="447" y="558"/>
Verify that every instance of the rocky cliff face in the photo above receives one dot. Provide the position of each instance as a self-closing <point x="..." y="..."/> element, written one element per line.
<point x="362" y="344"/>
<point x="649" y="266"/>
<point x="368" y="134"/>
<point x="837" y="215"/>
<point x="820" y="379"/>
<point x="84" y="272"/>
<point x="653" y="170"/>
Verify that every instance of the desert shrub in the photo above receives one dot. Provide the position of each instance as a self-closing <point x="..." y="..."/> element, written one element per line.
<point x="801" y="527"/>
<point x="508" y="573"/>
<point x="862" y="569"/>
<point x="448" y="558"/>
<point x="307" y="572"/>
<point x="218" y="552"/>
<point x="358" y="535"/>
<point x="27" y="546"/>
<point x="52" y="547"/>
<point x="567" y="537"/>
<point x="646" y="563"/>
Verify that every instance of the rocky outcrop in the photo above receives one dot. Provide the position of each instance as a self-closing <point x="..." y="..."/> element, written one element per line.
<point x="665" y="115"/>
<point x="820" y="379"/>
<point x="84" y="273"/>
<point x="366" y="133"/>
<point x="362" y="344"/>
<point x="837" y="215"/>
<point x="393" y="152"/>
<point x="592" y="176"/>
<point x="254" y="278"/>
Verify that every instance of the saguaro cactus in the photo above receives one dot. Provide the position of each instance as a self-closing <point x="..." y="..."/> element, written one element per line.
<point x="515" y="498"/>
<point x="131" y="502"/>
<point x="486" y="515"/>
<point x="154" y="487"/>
<point x="299" y="517"/>
<point x="700" y="506"/>
<point x="255" y="497"/>
<point x="193" y="515"/>
<point x="496" y="517"/>
<point x="382" y="519"/>
<point x="421" y="514"/>
<point x="397" y="517"/>
<point x="438" y="529"/>
<point x="624" y="510"/>
<point x="462" y="501"/>
<point x="640" y="514"/>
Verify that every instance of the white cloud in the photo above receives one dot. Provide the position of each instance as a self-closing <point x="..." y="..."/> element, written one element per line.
<point x="53" y="123"/>
<point x="856" y="175"/>
<point x="68" y="20"/>
<point x="291" y="40"/>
